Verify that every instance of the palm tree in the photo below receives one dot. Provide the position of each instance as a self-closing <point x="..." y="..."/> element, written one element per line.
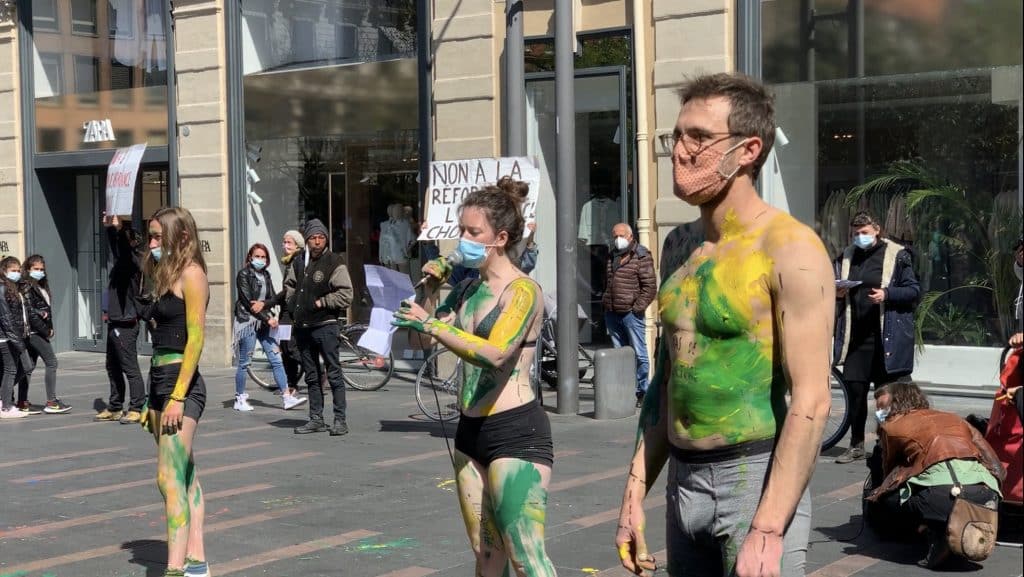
<point x="978" y="228"/>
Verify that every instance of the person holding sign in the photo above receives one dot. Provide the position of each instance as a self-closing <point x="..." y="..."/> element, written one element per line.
<point x="503" y="448"/>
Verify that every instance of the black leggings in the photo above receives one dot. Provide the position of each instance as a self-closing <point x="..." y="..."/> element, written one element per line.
<point x="39" y="346"/>
<point x="14" y="362"/>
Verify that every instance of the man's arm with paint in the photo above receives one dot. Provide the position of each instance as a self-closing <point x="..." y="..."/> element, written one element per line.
<point x="519" y="310"/>
<point x="648" y="459"/>
<point x="804" y="296"/>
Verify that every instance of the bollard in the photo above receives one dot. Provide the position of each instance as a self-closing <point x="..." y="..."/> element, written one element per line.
<point x="614" y="383"/>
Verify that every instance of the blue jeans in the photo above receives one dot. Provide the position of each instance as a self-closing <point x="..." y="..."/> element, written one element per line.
<point x="629" y="329"/>
<point x="246" y="345"/>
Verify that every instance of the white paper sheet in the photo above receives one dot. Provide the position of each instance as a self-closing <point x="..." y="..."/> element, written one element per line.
<point x="281" y="333"/>
<point x="388" y="288"/>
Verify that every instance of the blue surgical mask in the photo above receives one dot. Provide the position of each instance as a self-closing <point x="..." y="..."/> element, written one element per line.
<point x="473" y="253"/>
<point x="14" y="276"/>
<point x="37" y="274"/>
<point x="881" y="415"/>
<point x="259" y="263"/>
<point x="157" y="253"/>
<point x="864" y="241"/>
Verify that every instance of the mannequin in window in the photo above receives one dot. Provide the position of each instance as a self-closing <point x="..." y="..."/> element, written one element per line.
<point x="395" y="236"/>
<point x="597" y="218"/>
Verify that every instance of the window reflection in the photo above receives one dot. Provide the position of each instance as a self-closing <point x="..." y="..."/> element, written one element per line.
<point x="940" y="98"/>
<point x="92" y="65"/>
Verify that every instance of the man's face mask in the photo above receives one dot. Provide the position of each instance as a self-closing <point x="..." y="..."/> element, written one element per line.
<point x="699" y="176"/>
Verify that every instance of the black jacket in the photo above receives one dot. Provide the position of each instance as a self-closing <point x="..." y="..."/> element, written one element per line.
<point x="247" y="290"/>
<point x="125" y="279"/>
<point x="12" y="321"/>
<point x="40" y="314"/>
<point x="325" y="279"/>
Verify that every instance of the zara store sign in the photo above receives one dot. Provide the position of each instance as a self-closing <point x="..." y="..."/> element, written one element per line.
<point x="98" y="130"/>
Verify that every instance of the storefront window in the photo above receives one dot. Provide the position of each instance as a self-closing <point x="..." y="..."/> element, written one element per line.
<point x="604" y="159"/>
<point x="100" y="73"/>
<point x="917" y="120"/>
<point x="330" y="122"/>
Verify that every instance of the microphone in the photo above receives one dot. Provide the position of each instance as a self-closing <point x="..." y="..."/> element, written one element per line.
<point x="454" y="259"/>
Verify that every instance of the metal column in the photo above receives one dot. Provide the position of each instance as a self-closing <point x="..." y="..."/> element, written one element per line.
<point x="515" y="80"/>
<point x="565" y="203"/>
<point x="424" y="81"/>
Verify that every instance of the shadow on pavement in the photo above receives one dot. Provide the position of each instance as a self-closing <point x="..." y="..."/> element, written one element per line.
<point x="431" y="427"/>
<point x="287" y="423"/>
<point x="149" y="553"/>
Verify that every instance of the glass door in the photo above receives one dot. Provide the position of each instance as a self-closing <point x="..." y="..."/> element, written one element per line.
<point x="90" y="262"/>
<point x="603" y="198"/>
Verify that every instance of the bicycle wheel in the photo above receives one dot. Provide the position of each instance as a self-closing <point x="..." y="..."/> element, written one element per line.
<point x="839" y="415"/>
<point x="437" y="385"/>
<point x="260" y="373"/>
<point x="362" y="369"/>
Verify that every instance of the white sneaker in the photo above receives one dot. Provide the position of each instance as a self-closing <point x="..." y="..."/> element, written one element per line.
<point x="242" y="402"/>
<point x="290" y="401"/>
<point x="12" y="413"/>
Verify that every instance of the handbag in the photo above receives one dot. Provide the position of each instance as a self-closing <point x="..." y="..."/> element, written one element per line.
<point x="971" y="529"/>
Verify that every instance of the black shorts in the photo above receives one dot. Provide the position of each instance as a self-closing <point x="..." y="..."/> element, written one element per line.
<point x="161" y="385"/>
<point x="521" y="433"/>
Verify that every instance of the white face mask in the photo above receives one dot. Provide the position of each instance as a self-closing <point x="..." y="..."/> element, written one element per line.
<point x="881" y="415"/>
<point x="621" y="243"/>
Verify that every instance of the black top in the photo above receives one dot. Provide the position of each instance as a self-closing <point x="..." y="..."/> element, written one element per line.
<point x="125" y="279"/>
<point x="865" y="266"/>
<point x="169" y="332"/>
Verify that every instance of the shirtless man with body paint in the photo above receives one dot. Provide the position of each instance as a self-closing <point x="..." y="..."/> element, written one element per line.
<point x="747" y="318"/>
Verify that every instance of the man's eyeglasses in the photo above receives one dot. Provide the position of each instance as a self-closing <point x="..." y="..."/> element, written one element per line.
<point x="693" y="145"/>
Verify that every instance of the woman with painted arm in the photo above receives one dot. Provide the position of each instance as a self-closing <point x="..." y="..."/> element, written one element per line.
<point x="177" y="393"/>
<point x="503" y="450"/>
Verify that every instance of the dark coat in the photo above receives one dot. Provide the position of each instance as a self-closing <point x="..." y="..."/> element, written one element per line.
<point x="12" y="323"/>
<point x="123" y="301"/>
<point x="40" y="314"/>
<point x="897" y="310"/>
<point x="632" y="284"/>
<point x="247" y="290"/>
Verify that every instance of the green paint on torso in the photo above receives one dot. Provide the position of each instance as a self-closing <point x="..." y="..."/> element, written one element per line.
<point x="477" y="382"/>
<point x="731" y="388"/>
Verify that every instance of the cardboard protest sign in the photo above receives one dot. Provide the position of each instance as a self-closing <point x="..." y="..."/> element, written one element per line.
<point x="121" y="173"/>
<point x="452" y="180"/>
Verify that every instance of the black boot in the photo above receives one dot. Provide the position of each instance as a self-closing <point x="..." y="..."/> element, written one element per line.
<point x="313" y="426"/>
<point x="339" y="428"/>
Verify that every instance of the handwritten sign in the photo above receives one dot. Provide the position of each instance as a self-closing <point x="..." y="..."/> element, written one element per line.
<point x="452" y="180"/>
<point x="121" y="179"/>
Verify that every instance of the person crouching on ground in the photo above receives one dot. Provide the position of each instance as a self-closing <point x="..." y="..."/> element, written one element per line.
<point x="930" y="458"/>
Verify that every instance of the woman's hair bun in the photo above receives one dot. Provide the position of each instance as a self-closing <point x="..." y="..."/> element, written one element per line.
<point x="517" y="189"/>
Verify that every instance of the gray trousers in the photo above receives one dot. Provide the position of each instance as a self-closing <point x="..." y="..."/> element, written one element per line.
<point x="710" y="508"/>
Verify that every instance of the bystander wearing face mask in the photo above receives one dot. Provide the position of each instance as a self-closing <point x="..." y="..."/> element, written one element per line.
<point x="621" y="243"/>
<point x="864" y="241"/>
<point x="881" y="415"/>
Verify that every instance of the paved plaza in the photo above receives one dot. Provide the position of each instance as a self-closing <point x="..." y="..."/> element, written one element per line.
<point x="80" y="498"/>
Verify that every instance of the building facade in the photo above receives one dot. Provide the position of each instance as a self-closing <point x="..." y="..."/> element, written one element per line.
<point x="261" y="113"/>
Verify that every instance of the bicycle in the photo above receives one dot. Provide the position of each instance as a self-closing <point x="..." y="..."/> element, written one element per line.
<point x="437" y="385"/>
<point x="838" y="422"/>
<point x="362" y="369"/>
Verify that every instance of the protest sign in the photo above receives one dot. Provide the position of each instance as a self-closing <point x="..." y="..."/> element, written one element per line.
<point x="121" y="179"/>
<point x="452" y="180"/>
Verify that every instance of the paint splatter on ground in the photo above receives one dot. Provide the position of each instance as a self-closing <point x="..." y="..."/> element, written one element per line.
<point x="367" y="545"/>
<point x="447" y="485"/>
